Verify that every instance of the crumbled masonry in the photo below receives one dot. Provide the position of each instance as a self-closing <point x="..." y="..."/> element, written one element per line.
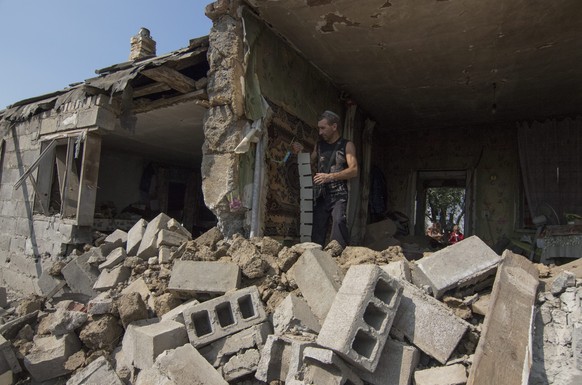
<point x="238" y="311"/>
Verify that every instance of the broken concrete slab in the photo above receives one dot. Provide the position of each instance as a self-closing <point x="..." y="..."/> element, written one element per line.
<point x="101" y="332"/>
<point x="323" y="366"/>
<point x="97" y="372"/>
<point x="241" y="364"/>
<point x="50" y="285"/>
<point x="102" y="304"/>
<point x="139" y="286"/>
<point x="175" y="226"/>
<point x="148" y="245"/>
<point x="131" y="308"/>
<point x="170" y="239"/>
<point x="358" y="322"/>
<point x="281" y="358"/>
<point x="427" y="323"/>
<point x="396" y="366"/>
<point x="62" y="322"/>
<point x="319" y="278"/>
<point x="177" y="313"/>
<point x="443" y="375"/>
<point x="398" y="269"/>
<point x="134" y="236"/>
<point x="47" y="358"/>
<point x="164" y="255"/>
<point x="294" y="316"/>
<point x="116" y="237"/>
<point x="254" y="337"/>
<point x="225" y="315"/>
<point x="114" y="258"/>
<point x="109" y="279"/>
<point x="8" y="359"/>
<point x="562" y="281"/>
<point x="152" y="339"/>
<point x="194" y="277"/>
<point x="504" y="352"/>
<point x="459" y="265"/>
<point x="181" y="366"/>
<point x="81" y="276"/>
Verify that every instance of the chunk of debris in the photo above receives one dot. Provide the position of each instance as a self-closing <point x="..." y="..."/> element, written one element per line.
<point x="49" y="354"/>
<point x="193" y="277"/>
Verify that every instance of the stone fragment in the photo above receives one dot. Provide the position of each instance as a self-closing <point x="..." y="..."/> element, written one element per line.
<point x="102" y="304"/>
<point x="50" y="285"/>
<point x="456" y="266"/>
<point x="175" y="226"/>
<point x="62" y="322"/>
<point x="323" y="366"/>
<point x="170" y="239"/>
<point x="270" y="246"/>
<point x="165" y="255"/>
<point x="101" y="332"/>
<point x="209" y="238"/>
<point x="177" y="313"/>
<point x="139" y="286"/>
<point x="131" y="308"/>
<point x="294" y="316"/>
<point x="481" y="305"/>
<point x="247" y="256"/>
<point x="319" y="278"/>
<point x="109" y="279"/>
<point x="241" y="364"/>
<point x="396" y="366"/>
<point x="563" y="281"/>
<point x="117" y="236"/>
<point x="193" y="277"/>
<point x="398" y="269"/>
<point x="165" y="303"/>
<point x="8" y="359"/>
<point x="114" y="258"/>
<point x="287" y="258"/>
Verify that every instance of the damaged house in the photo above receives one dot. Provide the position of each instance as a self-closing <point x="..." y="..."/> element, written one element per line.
<point x="473" y="99"/>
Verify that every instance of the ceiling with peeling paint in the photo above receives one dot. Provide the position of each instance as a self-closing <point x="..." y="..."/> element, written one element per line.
<point x="440" y="63"/>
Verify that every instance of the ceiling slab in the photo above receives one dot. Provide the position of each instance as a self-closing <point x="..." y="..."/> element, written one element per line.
<point x="420" y="63"/>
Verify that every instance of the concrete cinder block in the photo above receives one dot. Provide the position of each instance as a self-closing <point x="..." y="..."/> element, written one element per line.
<point x="254" y="337"/>
<point x="99" y="371"/>
<point x="281" y="358"/>
<point x="293" y="315"/>
<point x="81" y="276"/>
<point x="358" y="322"/>
<point x="115" y="257"/>
<point x="108" y="279"/>
<point x="148" y="245"/>
<point x="175" y="226"/>
<point x="396" y="366"/>
<point x="443" y="375"/>
<point x="459" y="265"/>
<point x="117" y="236"/>
<point x="398" y="269"/>
<point x="170" y="238"/>
<point x="319" y="278"/>
<point x="427" y="323"/>
<point x="134" y="236"/>
<point x="183" y="365"/>
<point x="241" y="364"/>
<point x="323" y="366"/>
<point x="193" y="277"/>
<point x="152" y="339"/>
<point x="228" y="314"/>
<point x="47" y="358"/>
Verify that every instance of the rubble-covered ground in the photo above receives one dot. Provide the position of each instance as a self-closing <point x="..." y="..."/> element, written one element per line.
<point x="154" y="306"/>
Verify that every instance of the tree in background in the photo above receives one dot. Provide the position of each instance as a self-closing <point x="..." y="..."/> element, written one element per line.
<point x="445" y="205"/>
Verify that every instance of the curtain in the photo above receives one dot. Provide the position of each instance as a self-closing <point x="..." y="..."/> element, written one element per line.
<point x="551" y="165"/>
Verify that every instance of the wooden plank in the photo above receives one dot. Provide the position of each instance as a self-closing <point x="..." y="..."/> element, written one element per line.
<point x="172" y="78"/>
<point x="89" y="177"/>
<point x="34" y="165"/>
<point x="504" y="353"/>
<point x="45" y="176"/>
<point x="149" y="89"/>
<point x="143" y="105"/>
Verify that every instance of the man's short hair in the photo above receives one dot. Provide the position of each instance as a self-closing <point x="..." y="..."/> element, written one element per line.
<point x="331" y="117"/>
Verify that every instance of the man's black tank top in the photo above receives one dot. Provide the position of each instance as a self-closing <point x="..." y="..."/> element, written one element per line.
<point x="338" y="163"/>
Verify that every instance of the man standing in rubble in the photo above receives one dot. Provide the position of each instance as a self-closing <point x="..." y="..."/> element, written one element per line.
<point x="336" y="163"/>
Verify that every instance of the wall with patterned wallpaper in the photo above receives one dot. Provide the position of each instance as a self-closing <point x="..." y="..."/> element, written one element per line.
<point x="490" y="151"/>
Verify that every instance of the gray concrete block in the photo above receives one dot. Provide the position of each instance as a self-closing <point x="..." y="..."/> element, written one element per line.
<point x="398" y="269"/>
<point x="281" y="358"/>
<point x="221" y="350"/>
<point x="148" y="245"/>
<point x="319" y="278"/>
<point x="8" y="360"/>
<point x="358" y="322"/>
<point x="152" y="339"/>
<point x="47" y="358"/>
<point x="427" y="323"/>
<point x="116" y="236"/>
<point x="323" y="366"/>
<point x="97" y="372"/>
<point x="294" y="316"/>
<point x="225" y="315"/>
<point x="192" y="277"/>
<point x="107" y="247"/>
<point x="175" y="226"/>
<point x="181" y="366"/>
<point x="443" y="375"/>
<point x="459" y="265"/>
<point x="241" y="364"/>
<point x="170" y="238"/>
<point x="81" y="276"/>
<point x="164" y="254"/>
<point x="102" y="304"/>
<point x="115" y="257"/>
<point x="108" y="279"/>
<point x="134" y="236"/>
<point x="49" y="284"/>
<point x="396" y="366"/>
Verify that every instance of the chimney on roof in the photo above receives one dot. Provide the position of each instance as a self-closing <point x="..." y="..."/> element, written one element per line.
<point x="142" y="45"/>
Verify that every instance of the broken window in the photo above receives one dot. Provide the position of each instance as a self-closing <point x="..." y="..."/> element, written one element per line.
<point x="67" y="176"/>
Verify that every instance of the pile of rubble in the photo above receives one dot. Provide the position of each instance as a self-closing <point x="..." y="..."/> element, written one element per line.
<point x="152" y="306"/>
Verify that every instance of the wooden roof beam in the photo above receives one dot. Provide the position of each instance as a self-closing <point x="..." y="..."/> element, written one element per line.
<point x="171" y="78"/>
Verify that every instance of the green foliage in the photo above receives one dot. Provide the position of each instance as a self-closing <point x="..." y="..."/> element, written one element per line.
<point x="445" y="205"/>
